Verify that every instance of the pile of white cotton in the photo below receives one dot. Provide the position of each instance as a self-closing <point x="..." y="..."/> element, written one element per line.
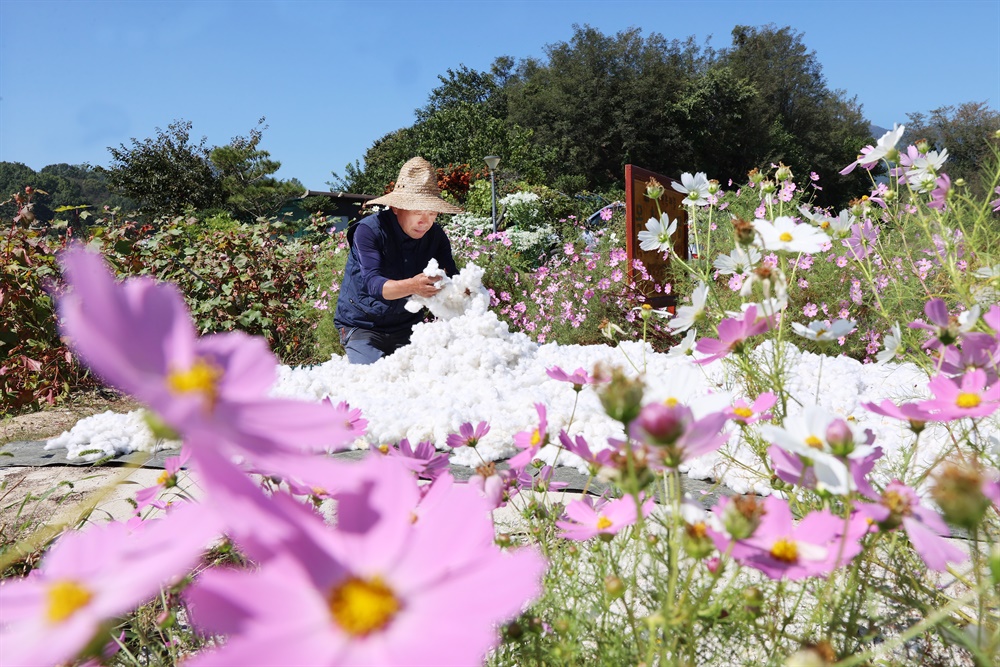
<point x="466" y="366"/>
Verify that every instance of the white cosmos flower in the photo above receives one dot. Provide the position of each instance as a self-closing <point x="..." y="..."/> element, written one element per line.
<point x="926" y="167"/>
<point x="768" y="307"/>
<point x="658" y="233"/>
<point x="881" y="149"/>
<point x="967" y="319"/>
<point x="841" y="224"/>
<point x="785" y="234"/>
<point x="685" y="348"/>
<point x="738" y="261"/>
<point x="773" y="284"/>
<point x="687" y="316"/>
<point x="893" y="341"/>
<point x="694" y="187"/>
<point x="804" y="434"/>
<point x="819" y="330"/>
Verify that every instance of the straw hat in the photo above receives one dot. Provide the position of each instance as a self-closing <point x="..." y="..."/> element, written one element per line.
<point x="416" y="189"/>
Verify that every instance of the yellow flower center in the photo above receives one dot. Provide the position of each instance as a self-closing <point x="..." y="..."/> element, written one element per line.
<point x="65" y="598"/>
<point x="203" y="376"/>
<point x="670" y="402"/>
<point x="743" y="412"/>
<point x="897" y="503"/>
<point x="361" y="606"/>
<point x="603" y="522"/>
<point x="536" y="437"/>
<point x="163" y="478"/>
<point x="785" y="551"/>
<point x="814" y="442"/>
<point x="698" y="530"/>
<point x="967" y="400"/>
<point x="785" y="237"/>
<point x="825" y="224"/>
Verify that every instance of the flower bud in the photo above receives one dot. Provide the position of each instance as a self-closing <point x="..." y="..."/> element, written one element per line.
<point x="614" y="586"/>
<point x="755" y="176"/>
<point x="923" y="146"/>
<point x="159" y="428"/>
<point x="753" y="598"/>
<point x="713" y="186"/>
<point x="784" y="172"/>
<point x="654" y="190"/>
<point x="958" y="491"/>
<point x="745" y="233"/>
<point x="768" y="187"/>
<point x="840" y="437"/>
<point x="622" y="397"/>
<point x="959" y="183"/>
<point x="892" y="155"/>
<point x="28" y="189"/>
<point x="662" y="424"/>
<point x="697" y="544"/>
<point x="741" y="516"/>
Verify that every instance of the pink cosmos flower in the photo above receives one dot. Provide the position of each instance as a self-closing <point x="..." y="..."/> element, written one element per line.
<point x="911" y="412"/>
<point x="791" y="468"/>
<point x="675" y="436"/>
<point x="945" y="328"/>
<point x="939" y="195"/>
<point x="578" y="378"/>
<point x="531" y="441"/>
<point x="92" y="576"/>
<point x="820" y="543"/>
<point x="969" y="397"/>
<point x="744" y="414"/>
<point x="167" y="480"/>
<point x="979" y="350"/>
<point x="374" y="590"/>
<point x="900" y="505"/>
<point x="586" y="518"/>
<point x="139" y="337"/>
<point x="468" y="436"/>
<point x="579" y="446"/>
<point x="732" y="334"/>
<point x="422" y="460"/>
<point x="353" y="419"/>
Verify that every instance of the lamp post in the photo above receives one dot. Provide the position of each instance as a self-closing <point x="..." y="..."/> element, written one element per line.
<point x="491" y="162"/>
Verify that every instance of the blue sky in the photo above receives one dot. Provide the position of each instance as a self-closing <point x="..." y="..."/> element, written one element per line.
<point x="77" y="76"/>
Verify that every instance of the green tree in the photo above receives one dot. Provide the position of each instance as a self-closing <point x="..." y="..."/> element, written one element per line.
<point x="794" y="117"/>
<point x="245" y="171"/>
<point x="603" y="101"/>
<point x="967" y="131"/>
<point x="462" y="123"/>
<point x="167" y="174"/>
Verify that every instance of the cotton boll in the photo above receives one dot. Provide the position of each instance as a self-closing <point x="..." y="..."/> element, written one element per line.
<point x="112" y="434"/>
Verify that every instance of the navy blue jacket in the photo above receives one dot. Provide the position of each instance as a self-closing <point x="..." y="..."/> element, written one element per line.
<point x="380" y="251"/>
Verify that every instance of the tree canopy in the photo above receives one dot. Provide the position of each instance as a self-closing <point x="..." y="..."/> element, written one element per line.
<point x="598" y="102"/>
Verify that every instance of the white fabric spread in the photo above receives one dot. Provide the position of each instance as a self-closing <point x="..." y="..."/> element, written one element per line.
<point x="466" y="366"/>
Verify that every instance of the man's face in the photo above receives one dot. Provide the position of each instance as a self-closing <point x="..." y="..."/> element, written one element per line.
<point x="415" y="223"/>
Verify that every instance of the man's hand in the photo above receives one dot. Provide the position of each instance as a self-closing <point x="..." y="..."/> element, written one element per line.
<point x="420" y="285"/>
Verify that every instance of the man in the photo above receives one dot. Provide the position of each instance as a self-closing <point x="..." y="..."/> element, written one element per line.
<point x="388" y="253"/>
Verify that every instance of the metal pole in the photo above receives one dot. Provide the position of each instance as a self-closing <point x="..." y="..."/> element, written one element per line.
<point x="493" y="188"/>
